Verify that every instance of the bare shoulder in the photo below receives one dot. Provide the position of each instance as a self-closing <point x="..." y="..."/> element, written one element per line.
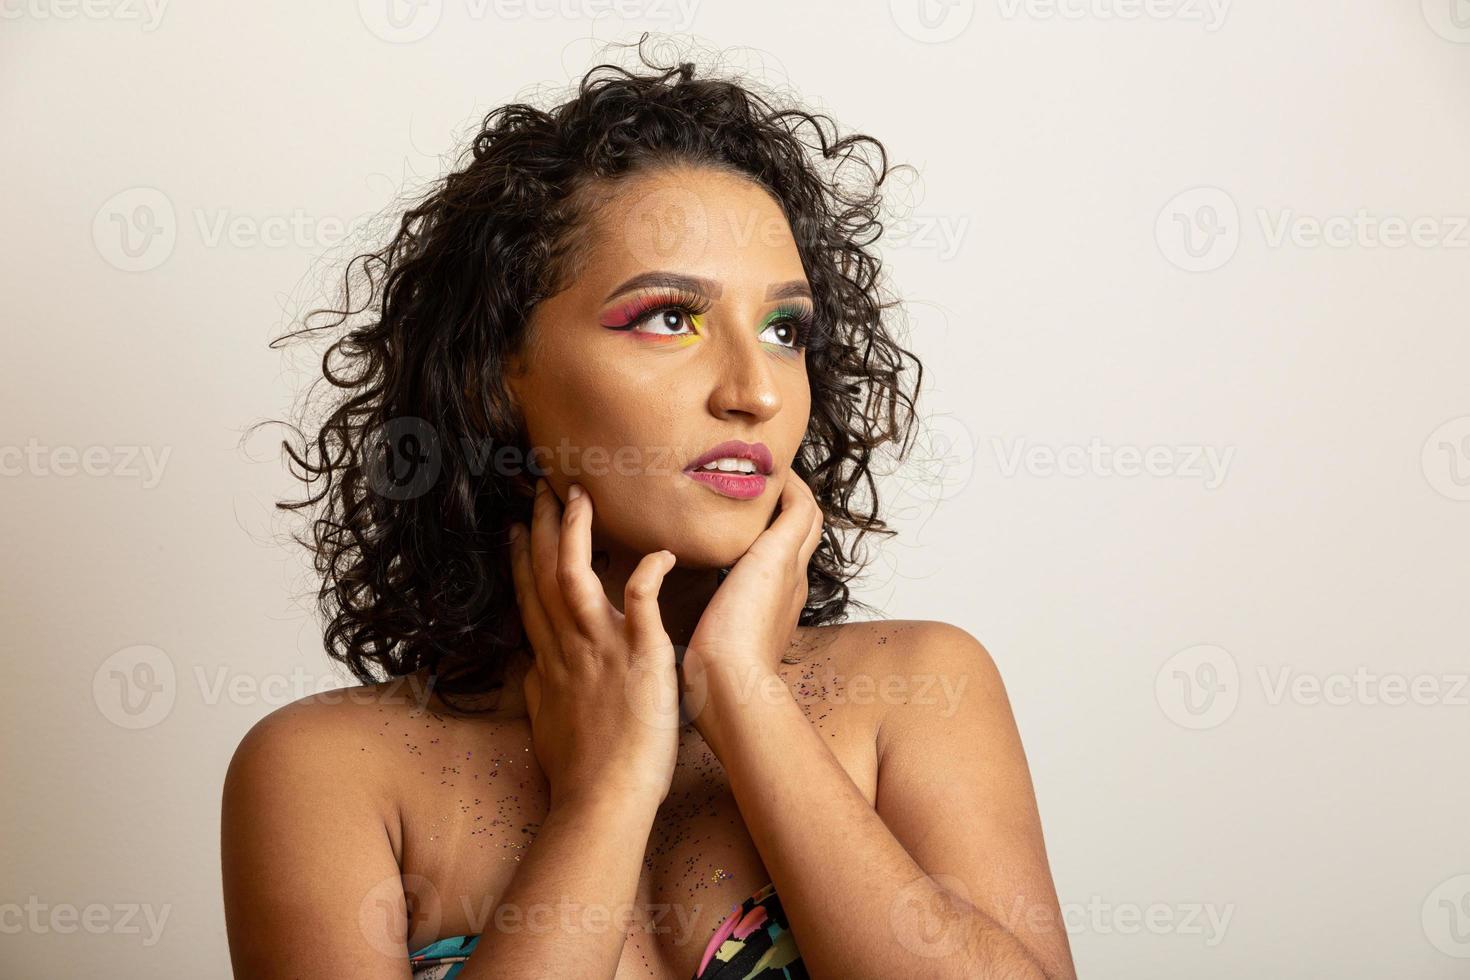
<point x="899" y="651"/>
<point x="916" y="671"/>
<point x="306" y="845"/>
<point x="947" y="744"/>
<point x="323" y="739"/>
<point x="896" y="673"/>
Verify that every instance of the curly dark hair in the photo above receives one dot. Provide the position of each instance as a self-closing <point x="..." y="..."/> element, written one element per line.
<point x="420" y="581"/>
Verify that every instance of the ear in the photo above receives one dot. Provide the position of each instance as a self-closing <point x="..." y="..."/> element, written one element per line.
<point x="512" y="379"/>
<point x="476" y="390"/>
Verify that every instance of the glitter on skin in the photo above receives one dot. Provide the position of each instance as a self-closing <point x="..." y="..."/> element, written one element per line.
<point x="698" y="852"/>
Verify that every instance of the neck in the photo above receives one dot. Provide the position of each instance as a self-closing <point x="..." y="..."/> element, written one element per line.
<point x="681" y="599"/>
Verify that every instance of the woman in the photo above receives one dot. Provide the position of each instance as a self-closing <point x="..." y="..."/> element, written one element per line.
<point x="629" y="368"/>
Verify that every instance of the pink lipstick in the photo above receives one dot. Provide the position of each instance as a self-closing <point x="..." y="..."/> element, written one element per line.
<point x="733" y="469"/>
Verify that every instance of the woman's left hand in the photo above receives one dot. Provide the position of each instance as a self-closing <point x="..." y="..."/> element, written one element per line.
<point x="747" y="626"/>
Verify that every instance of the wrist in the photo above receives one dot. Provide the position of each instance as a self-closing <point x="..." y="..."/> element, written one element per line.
<point x="606" y="802"/>
<point x="737" y="694"/>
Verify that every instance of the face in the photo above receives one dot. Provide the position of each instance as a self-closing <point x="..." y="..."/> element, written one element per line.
<point x="680" y="343"/>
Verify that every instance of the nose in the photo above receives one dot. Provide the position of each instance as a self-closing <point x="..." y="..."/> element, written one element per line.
<point x="746" y="386"/>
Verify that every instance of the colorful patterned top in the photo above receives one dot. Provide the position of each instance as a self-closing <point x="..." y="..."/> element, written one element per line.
<point x="753" y="942"/>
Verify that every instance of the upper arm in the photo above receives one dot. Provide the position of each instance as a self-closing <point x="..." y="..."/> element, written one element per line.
<point x="954" y="788"/>
<point x="311" y="885"/>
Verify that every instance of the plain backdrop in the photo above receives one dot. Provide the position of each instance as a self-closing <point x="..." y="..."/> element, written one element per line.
<point x="1189" y="281"/>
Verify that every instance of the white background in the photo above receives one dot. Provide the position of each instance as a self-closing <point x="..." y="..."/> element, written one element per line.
<point x="1214" y="670"/>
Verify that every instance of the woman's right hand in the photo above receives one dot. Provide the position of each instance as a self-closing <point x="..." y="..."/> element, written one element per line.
<point x="602" y="694"/>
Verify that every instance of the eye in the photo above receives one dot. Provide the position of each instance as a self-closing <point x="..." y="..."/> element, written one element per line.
<point x="671" y="321"/>
<point x="788" y="328"/>
<point x="662" y="315"/>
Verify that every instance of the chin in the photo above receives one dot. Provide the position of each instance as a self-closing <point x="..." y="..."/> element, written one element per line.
<point x="701" y="541"/>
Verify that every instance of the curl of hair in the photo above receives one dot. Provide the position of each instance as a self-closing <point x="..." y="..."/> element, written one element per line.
<point x="420" y="581"/>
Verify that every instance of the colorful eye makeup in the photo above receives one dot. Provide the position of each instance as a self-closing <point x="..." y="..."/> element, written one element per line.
<point x="659" y="316"/>
<point x="788" y="327"/>
<point x="677" y="318"/>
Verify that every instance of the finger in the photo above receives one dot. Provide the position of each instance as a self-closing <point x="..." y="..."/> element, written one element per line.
<point x="545" y="542"/>
<point x="581" y="590"/>
<point x="533" y="616"/>
<point x="814" y="533"/>
<point x="793" y="523"/>
<point x="640" y="603"/>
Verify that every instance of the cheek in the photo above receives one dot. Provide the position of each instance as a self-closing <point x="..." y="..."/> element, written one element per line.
<point x="601" y="427"/>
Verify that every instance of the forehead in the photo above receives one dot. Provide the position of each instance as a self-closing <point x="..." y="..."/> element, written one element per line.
<point x="694" y="220"/>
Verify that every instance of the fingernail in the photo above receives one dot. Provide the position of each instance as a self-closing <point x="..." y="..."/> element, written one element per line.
<point x="573" y="492"/>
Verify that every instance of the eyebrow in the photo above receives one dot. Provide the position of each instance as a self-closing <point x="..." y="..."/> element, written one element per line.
<point x="705" y="287"/>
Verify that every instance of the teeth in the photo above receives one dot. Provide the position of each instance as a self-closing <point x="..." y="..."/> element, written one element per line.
<point x="729" y="465"/>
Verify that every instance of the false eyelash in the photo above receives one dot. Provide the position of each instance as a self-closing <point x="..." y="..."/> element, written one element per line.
<point x="804" y="318"/>
<point x="657" y="302"/>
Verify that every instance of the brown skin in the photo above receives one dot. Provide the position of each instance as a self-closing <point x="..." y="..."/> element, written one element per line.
<point x="599" y="388"/>
<point x="902" y="836"/>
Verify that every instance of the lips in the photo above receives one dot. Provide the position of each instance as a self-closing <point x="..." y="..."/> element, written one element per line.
<point x="741" y="486"/>
<point x="756" y="452"/>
